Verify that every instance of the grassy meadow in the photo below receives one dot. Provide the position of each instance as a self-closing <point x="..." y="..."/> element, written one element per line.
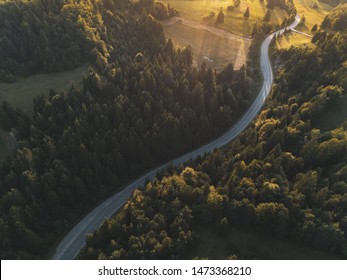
<point x="21" y="94"/>
<point x="289" y="39"/>
<point x="215" y="50"/>
<point x="312" y="15"/>
<point x="234" y="21"/>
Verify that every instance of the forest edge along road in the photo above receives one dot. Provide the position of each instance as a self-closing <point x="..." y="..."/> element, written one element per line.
<point x="74" y="241"/>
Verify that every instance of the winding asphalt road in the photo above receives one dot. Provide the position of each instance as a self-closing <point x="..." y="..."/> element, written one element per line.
<point x="74" y="241"/>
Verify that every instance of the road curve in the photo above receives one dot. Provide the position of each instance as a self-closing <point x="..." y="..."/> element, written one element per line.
<point x="74" y="241"/>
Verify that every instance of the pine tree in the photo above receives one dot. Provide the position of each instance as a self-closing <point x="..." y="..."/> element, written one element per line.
<point x="314" y="28"/>
<point x="247" y="13"/>
<point x="220" y="17"/>
<point x="267" y="15"/>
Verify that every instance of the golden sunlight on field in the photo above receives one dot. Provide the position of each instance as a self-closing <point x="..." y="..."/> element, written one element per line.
<point x="290" y="39"/>
<point x="234" y="20"/>
<point x="216" y="47"/>
<point x="313" y="11"/>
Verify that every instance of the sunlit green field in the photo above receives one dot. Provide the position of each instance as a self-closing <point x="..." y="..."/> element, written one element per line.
<point x="251" y="245"/>
<point x="289" y="39"/>
<point x="234" y="21"/>
<point x="313" y="16"/>
<point x="21" y="93"/>
<point x="215" y="50"/>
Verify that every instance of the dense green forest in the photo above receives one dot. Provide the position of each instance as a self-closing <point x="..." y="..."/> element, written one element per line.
<point x="283" y="176"/>
<point x="54" y="35"/>
<point x="142" y="103"/>
<point x="45" y="36"/>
